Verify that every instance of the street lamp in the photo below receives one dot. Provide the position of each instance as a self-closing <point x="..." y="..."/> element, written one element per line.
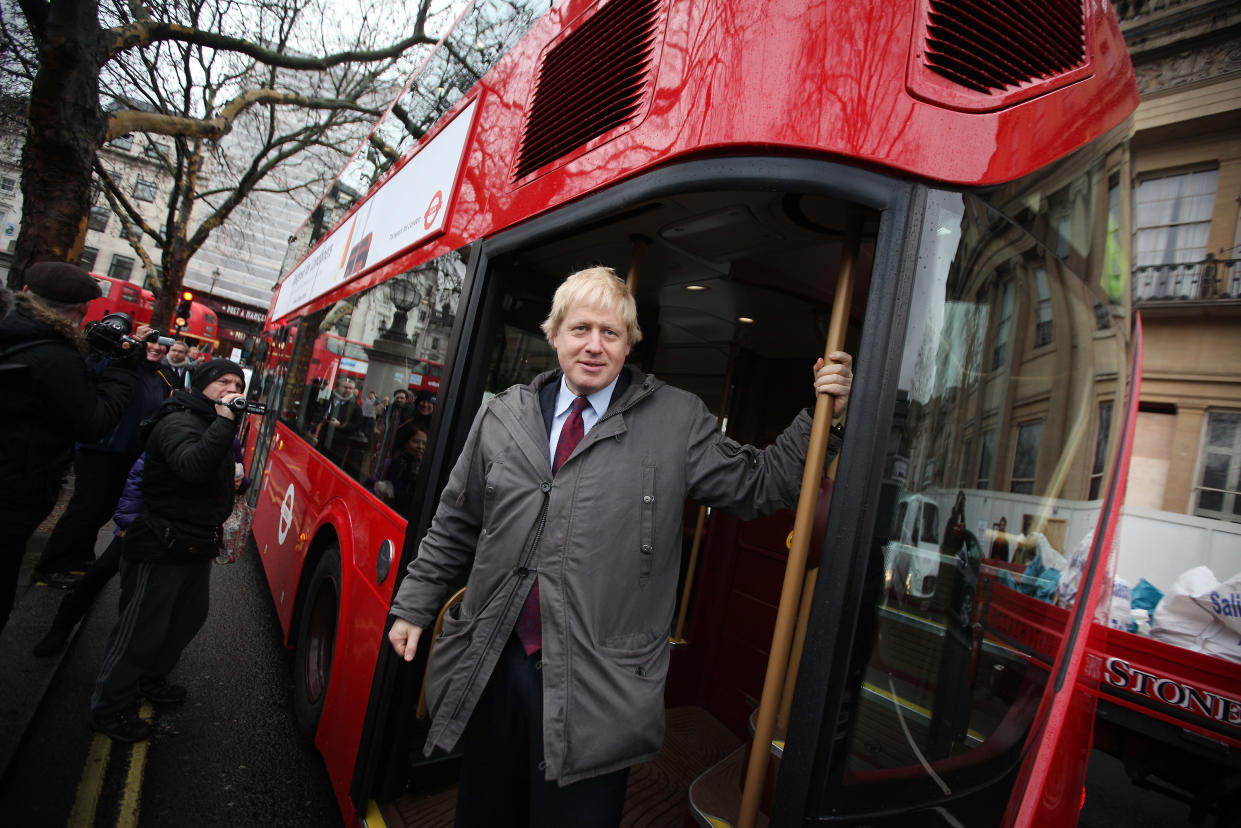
<point x="215" y="274"/>
<point x="403" y="294"/>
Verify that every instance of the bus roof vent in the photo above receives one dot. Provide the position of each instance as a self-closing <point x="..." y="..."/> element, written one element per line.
<point x="1002" y="49"/>
<point x="591" y="81"/>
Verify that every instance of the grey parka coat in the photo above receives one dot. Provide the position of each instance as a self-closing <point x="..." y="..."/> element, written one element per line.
<point x="603" y="535"/>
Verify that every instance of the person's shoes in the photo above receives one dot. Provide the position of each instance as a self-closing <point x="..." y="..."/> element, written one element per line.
<point x="57" y="580"/>
<point x="122" y="727"/>
<point x="51" y="643"/>
<point x="162" y="692"/>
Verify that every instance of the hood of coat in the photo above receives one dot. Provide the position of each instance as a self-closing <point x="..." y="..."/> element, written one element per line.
<point x="180" y="400"/>
<point x="29" y="320"/>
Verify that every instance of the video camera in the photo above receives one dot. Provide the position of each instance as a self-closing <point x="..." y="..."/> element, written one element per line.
<point x="242" y="405"/>
<point x="110" y="334"/>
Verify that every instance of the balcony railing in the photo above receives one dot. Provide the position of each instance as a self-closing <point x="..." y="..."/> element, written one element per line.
<point x="1209" y="279"/>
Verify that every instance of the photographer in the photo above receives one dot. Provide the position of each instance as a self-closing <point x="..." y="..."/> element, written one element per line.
<point x="99" y="471"/>
<point x="188" y="485"/>
<point x="50" y="398"/>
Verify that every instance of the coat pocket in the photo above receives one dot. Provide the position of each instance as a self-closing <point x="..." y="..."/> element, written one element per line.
<point x="612" y="685"/>
<point x="448" y="663"/>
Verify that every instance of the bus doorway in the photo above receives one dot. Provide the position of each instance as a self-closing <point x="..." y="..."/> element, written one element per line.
<point x="735" y="292"/>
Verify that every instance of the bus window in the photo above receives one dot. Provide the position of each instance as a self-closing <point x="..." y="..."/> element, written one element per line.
<point x="960" y="647"/>
<point x="352" y="387"/>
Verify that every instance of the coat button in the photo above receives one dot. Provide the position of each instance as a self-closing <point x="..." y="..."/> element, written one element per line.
<point x="545" y="486"/>
<point x="648" y="499"/>
<point x="646" y="547"/>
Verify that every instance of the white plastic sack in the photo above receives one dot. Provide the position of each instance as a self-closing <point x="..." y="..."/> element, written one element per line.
<point x="1048" y="556"/>
<point x="1178" y="613"/>
<point x="1223" y="602"/>
<point x="1183" y="619"/>
<point x="1070" y="581"/>
<point x="1120" y="617"/>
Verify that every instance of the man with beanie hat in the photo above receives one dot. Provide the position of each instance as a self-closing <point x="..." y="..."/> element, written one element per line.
<point x="51" y="398"/>
<point x="188" y="485"/>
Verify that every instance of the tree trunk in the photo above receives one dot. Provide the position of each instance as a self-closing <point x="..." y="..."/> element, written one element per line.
<point x="64" y="128"/>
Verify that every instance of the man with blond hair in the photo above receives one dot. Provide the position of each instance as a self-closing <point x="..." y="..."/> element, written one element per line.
<point x="565" y="510"/>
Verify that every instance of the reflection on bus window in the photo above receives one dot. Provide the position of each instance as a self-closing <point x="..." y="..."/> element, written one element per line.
<point x="363" y="375"/>
<point x="1003" y="378"/>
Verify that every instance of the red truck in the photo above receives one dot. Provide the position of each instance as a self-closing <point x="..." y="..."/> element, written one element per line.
<point x="1170" y="714"/>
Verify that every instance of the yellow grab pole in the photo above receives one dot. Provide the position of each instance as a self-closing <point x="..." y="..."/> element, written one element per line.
<point x="636" y="255"/>
<point x="799" y="644"/>
<point x="679" y="636"/>
<point x="786" y="616"/>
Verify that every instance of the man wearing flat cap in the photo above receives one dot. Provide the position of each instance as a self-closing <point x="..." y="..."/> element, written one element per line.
<point x="49" y="398"/>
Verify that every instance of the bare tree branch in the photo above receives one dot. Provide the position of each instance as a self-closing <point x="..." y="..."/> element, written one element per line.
<point x="146" y="32"/>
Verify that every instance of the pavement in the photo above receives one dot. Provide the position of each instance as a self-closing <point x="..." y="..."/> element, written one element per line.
<point x="24" y="679"/>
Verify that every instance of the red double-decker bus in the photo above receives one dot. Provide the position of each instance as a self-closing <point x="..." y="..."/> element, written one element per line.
<point x="937" y="186"/>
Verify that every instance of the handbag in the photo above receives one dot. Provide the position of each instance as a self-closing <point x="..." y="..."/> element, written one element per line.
<point x="183" y="541"/>
<point x="236" y="531"/>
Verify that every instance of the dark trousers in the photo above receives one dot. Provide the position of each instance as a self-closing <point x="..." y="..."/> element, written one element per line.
<point x="17" y="523"/>
<point x="99" y="477"/>
<point x="74" y="605"/>
<point x="163" y="606"/>
<point x="502" y="773"/>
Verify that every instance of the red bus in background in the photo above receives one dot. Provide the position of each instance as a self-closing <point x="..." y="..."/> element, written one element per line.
<point x="120" y="296"/>
<point x="745" y="164"/>
<point x="424" y="375"/>
<point x="334" y="354"/>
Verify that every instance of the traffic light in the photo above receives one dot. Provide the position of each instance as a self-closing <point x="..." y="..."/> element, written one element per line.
<point x="181" y="317"/>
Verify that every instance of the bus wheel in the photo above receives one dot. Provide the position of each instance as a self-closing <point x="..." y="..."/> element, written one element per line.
<point x="316" y="638"/>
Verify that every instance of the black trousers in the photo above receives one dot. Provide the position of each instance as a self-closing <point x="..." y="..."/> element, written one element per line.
<point x="502" y="773"/>
<point x="74" y="605"/>
<point x="163" y="606"/>
<point x="99" y="477"/>
<point x="17" y="523"/>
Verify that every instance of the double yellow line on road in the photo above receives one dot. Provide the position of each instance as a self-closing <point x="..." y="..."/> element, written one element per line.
<point x="89" y="789"/>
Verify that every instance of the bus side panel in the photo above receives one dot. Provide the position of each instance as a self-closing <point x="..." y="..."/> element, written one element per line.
<point x="286" y="502"/>
<point x="304" y="496"/>
<point x="362" y="616"/>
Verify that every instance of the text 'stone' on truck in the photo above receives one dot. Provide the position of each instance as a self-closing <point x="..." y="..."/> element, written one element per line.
<point x="953" y="181"/>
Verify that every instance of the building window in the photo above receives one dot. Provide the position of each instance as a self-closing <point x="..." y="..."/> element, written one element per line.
<point x="1102" y="434"/>
<point x="986" y="456"/>
<point x="124" y="142"/>
<point x="1173" y="216"/>
<point x="8" y="186"/>
<point x="89" y="254"/>
<point x="98" y="219"/>
<point x="1002" y="327"/>
<point x="1042" y="330"/>
<point x="156" y="151"/>
<point x="1219" y="487"/>
<point x="1025" y="458"/>
<point x="144" y="190"/>
<point x="121" y="267"/>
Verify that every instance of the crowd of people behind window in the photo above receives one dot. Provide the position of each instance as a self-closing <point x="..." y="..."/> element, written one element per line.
<point x="377" y="441"/>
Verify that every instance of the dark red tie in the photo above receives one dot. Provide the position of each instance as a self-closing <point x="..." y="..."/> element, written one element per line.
<point x="530" y="622"/>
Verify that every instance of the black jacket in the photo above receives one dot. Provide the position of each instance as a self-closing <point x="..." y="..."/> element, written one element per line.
<point x="59" y="401"/>
<point x="189" y="461"/>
